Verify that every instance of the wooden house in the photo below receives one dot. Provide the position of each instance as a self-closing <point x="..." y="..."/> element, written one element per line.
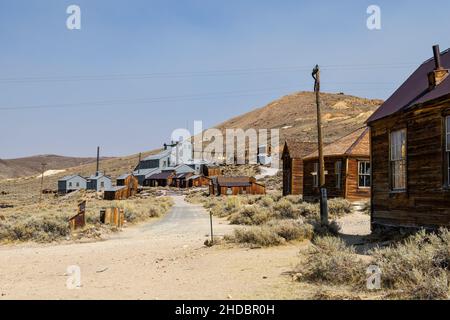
<point x="347" y="168"/>
<point x="198" y="181"/>
<point x="142" y="174"/>
<point x="99" y="182"/>
<point x="223" y="186"/>
<point x="71" y="183"/>
<point x="410" y="147"/>
<point x="292" y="159"/>
<point x="212" y="170"/>
<point x="180" y="180"/>
<point x="162" y="179"/>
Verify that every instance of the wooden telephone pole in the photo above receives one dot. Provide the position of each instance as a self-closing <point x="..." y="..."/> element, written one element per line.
<point x="42" y="180"/>
<point x="321" y="173"/>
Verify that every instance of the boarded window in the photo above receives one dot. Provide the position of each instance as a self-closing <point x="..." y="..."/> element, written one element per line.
<point x="338" y="173"/>
<point x="315" y="175"/>
<point x="398" y="159"/>
<point x="364" y="174"/>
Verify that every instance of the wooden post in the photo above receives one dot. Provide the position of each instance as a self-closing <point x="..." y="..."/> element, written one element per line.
<point x="323" y="190"/>
<point x="42" y="180"/>
<point x="211" y="223"/>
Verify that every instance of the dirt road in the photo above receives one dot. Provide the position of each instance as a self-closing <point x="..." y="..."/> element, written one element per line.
<point x="165" y="259"/>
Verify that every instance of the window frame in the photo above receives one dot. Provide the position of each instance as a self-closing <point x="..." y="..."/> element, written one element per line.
<point x="366" y="175"/>
<point x="402" y="162"/>
<point x="338" y="174"/>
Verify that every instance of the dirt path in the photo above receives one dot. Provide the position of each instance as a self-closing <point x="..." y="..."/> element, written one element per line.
<point x="159" y="260"/>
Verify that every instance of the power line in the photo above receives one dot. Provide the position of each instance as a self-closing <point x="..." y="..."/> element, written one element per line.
<point x="176" y="98"/>
<point x="187" y="74"/>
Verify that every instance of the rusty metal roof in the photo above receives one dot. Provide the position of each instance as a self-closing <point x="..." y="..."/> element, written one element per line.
<point x="355" y="143"/>
<point x="161" y="176"/>
<point x="415" y="90"/>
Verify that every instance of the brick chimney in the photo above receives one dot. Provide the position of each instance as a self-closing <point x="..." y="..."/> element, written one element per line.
<point x="439" y="74"/>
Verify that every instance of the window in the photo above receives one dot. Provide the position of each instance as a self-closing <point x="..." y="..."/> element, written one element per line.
<point x="229" y="191"/>
<point x="78" y="184"/>
<point x="70" y="184"/>
<point x="316" y="175"/>
<point x="398" y="159"/>
<point x="102" y="184"/>
<point x="363" y="174"/>
<point x="338" y="173"/>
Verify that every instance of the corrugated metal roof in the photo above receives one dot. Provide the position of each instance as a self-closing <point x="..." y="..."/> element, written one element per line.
<point x="160" y="176"/>
<point x="123" y="176"/>
<point x="415" y="90"/>
<point x="158" y="156"/>
<point x="355" y="143"/>
<point x="66" y="178"/>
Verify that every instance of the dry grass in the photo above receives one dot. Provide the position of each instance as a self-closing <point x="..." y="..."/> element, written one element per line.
<point x="48" y="221"/>
<point x="330" y="261"/>
<point x="273" y="233"/>
<point x="417" y="268"/>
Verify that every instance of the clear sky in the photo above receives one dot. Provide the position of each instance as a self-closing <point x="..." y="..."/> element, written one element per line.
<point x="138" y="69"/>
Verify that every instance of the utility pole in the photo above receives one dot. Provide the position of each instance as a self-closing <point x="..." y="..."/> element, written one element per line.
<point x="139" y="163"/>
<point x="321" y="173"/>
<point x="42" y="180"/>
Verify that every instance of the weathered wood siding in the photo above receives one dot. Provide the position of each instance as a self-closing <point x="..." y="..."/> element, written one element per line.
<point x="352" y="190"/>
<point x="348" y="188"/>
<point x="426" y="201"/>
<point x="292" y="176"/>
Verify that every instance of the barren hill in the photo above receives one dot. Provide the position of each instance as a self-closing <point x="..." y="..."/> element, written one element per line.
<point x="295" y="116"/>
<point x="21" y="167"/>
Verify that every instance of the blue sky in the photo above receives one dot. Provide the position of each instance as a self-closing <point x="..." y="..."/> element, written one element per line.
<point x="160" y="65"/>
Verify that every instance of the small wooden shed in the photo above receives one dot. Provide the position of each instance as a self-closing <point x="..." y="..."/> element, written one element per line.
<point x="198" y="181"/>
<point x="347" y="168"/>
<point x="212" y="170"/>
<point x="99" y="182"/>
<point x="224" y="185"/>
<point x="180" y="180"/>
<point x="410" y="144"/>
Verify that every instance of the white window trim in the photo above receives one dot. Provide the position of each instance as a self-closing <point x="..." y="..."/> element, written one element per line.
<point x="364" y="174"/>
<point x="338" y="174"/>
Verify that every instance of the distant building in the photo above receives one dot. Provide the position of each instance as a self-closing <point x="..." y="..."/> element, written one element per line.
<point x="231" y="186"/>
<point x="71" y="183"/>
<point x="158" y="161"/>
<point x="99" y="182"/>
<point x="142" y="174"/>
<point x="181" y="153"/>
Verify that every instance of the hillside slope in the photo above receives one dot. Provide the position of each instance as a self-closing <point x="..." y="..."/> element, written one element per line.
<point x="22" y="167"/>
<point x="295" y="116"/>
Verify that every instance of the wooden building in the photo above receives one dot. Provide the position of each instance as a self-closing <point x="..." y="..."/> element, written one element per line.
<point x="212" y="171"/>
<point x="347" y="168"/>
<point x="127" y="186"/>
<point x="410" y="147"/>
<point x="162" y="179"/>
<point x="180" y="180"/>
<point x="198" y="181"/>
<point x="292" y="158"/>
<point x="223" y="185"/>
